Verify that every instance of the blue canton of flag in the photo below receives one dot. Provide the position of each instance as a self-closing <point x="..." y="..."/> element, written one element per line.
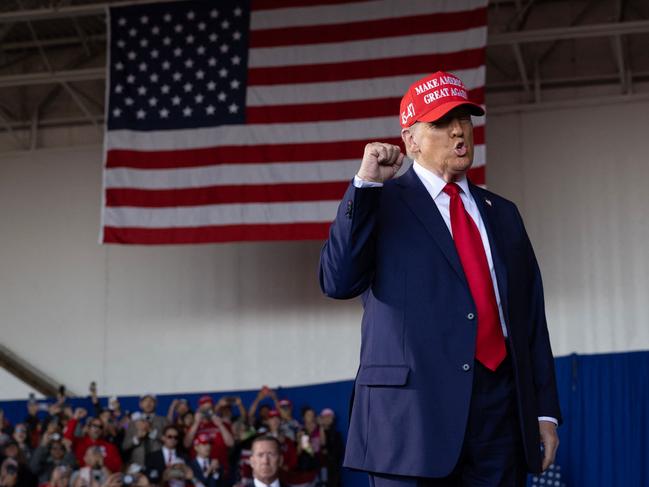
<point x="178" y="65"/>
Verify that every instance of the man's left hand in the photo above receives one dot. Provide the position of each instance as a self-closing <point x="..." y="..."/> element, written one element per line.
<point x="550" y="441"/>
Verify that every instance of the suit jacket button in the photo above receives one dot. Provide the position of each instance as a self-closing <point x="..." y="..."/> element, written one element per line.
<point x="470" y="316"/>
<point x="466" y="367"/>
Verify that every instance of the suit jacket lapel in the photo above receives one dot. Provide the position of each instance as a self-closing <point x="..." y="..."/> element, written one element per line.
<point x="423" y="207"/>
<point x="495" y="235"/>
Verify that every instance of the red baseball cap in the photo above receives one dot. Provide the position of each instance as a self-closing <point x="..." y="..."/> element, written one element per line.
<point x="205" y="400"/>
<point x="273" y="413"/>
<point x="202" y="439"/>
<point x="432" y="97"/>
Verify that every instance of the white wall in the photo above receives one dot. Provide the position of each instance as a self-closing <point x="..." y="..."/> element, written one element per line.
<point x="230" y="316"/>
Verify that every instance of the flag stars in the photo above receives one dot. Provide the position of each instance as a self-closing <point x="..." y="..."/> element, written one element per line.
<point x="211" y="62"/>
<point x="128" y="101"/>
<point x="201" y="26"/>
<point x="198" y="98"/>
<point x="119" y="66"/>
<point x="164" y="89"/>
<point x="189" y="39"/>
<point x="167" y="17"/>
<point x="211" y="86"/>
<point x="189" y="63"/>
<point x="121" y="22"/>
<point x="224" y="48"/>
<point x="131" y="55"/>
<point x="121" y="43"/>
<point x="132" y="32"/>
<point x="233" y="108"/>
<point x="155" y="30"/>
<point x="141" y="90"/>
<point x="200" y="74"/>
<point x="236" y="60"/>
<point x="177" y="76"/>
<point x="237" y="12"/>
<point x="191" y="15"/>
<point x="234" y="84"/>
<point x="221" y="96"/>
<point x="213" y="37"/>
<point x="166" y="65"/>
<point x="154" y="78"/>
<point x="236" y="35"/>
<point x="166" y="41"/>
<point x="175" y="100"/>
<point x="164" y="113"/>
<point x="223" y="72"/>
<point x="144" y="20"/>
<point x="188" y="87"/>
<point x="210" y="109"/>
<point x="225" y="24"/>
<point x="119" y="88"/>
<point x="178" y="28"/>
<point x="142" y="67"/>
<point x="153" y="101"/>
<point x="144" y="42"/>
<point x="155" y="54"/>
<point x="200" y="50"/>
<point x="187" y="111"/>
<point x="214" y="13"/>
<point x="117" y="112"/>
<point x="178" y="52"/>
<point x="130" y="79"/>
<point x="140" y="114"/>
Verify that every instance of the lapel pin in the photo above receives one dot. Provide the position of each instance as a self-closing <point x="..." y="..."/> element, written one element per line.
<point x="488" y="201"/>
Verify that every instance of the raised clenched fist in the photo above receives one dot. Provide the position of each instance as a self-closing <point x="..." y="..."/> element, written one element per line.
<point x="380" y="162"/>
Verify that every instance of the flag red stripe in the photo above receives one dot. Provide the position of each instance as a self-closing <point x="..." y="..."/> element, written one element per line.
<point x="214" y="195"/>
<point x="277" y="4"/>
<point x="216" y="233"/>
<point x="477" y="175"/>
<point x="344" y="110"/>
<point x="374" y="68"/>
<point x="312" y="151"/>
<point x="369" y="29"/>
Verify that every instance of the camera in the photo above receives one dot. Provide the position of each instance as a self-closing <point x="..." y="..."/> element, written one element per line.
<point x="11" y="469"/>
<point x="128" y="479"/>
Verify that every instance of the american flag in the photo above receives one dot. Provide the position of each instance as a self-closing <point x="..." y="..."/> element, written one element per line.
<point x="233" y="120"/>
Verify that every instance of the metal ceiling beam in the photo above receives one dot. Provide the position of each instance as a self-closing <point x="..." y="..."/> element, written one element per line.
<point x="45" y="78"/>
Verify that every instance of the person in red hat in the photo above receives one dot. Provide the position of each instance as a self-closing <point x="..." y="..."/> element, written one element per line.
<point x="456" y="384"/>
<point x="207" y="470"/>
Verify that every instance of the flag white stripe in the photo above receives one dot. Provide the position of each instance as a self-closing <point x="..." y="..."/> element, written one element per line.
<point x="242" y="174"/>
<point x="364" y="50"/>
<point x="363" y="89"/>
<point x="257" y="134"/>
<point x="226" y="214"/>
<point x="355" y="12"/>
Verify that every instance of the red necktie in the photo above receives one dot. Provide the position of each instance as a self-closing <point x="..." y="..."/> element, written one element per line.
<point x="490" y="344"/>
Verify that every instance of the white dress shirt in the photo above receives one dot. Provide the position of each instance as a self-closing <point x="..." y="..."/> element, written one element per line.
<point x="435" y="187"/>
<point x="259" y="483"/>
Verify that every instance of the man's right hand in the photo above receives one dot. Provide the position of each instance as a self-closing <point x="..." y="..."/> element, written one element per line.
<point x="380" y="162"/>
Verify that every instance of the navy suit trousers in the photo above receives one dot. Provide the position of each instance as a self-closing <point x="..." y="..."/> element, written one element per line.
<point x="492" y="452"/>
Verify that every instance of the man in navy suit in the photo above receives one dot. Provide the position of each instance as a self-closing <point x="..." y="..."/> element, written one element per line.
<point x="456" y="381"/>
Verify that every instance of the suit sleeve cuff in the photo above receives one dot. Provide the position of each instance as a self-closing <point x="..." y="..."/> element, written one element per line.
<point x="549" y="419"/>
<point x="361" y="183"/>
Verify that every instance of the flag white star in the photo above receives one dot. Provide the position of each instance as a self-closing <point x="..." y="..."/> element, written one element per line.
<point x="211" y="61"/>
<point x="234" y="84"/>
<point x="191" y="15"/>
<point x="128" y="101"/>
<point x="189" y="39"/>
<point x="189" y="63"/>
<point x="178" y="28"/>
<point x="166" y="41"/>
<point x="211" y="86"/>
<point x="167" y="17"/>
<point x="144" y="19"/>
<point x="200" y="74"/>
<point x="132" y="32"/>
<point x="198" y="98"/>
<point x="201" y="26"/>
<point x="164" y="113"/>
<point x="237" y="12"/>
<point x="224" y="48"/>
<point x="142" y="66"/>
<point x="236" y="60"/>
<point x="164" y="89"/>
<point x="175" y="100"/>
<point x="141" y="90"/>
<point x="130" y="79"/>
<point x="225" y="24"/>
<point x="155" y="30"/>
<point x="223" y="72"/>
<point x="119" y="66"/>
<point x="188" y="87"/>
<point x="233" y="108"/>
<point x="153" y="101"/>
<point x="177" y="76"/>
<point x="144" y="42"/>
<point x="140" y="114"/>
<point x="213" y="37"/>
<point x="117" y="112"/>
<point x="177" y="52"/>
<point x="214" y="13"/>
<point x="122" y="21"/>
<point x="200" y="50"/>
<point x="154" y="78"/>
<point x="131" y="55"/>
<point x="236" y="35"/>
<point x="119" y="88"/>
<point x="121" y="43"/>
<point x="155" y="53"/>
<point x="187" y="111"/>
<point x="209" y="109"/>
<point x="166" y="65"/>
<point x="221" y="96"/>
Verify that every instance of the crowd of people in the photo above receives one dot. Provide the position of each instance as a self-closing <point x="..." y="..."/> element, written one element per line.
<point x="208" y="445"/>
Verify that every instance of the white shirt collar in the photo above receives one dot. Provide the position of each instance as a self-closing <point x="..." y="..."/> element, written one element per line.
<point x="259" y="483"/>
<point x="434" y="184"/>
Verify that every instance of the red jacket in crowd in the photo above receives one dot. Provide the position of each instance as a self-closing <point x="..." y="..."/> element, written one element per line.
<point x="112" y="459"/>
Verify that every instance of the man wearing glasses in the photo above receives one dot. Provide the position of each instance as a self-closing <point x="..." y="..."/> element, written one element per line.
<point x="91" y="436"/>
<point x="158" y="461"/>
